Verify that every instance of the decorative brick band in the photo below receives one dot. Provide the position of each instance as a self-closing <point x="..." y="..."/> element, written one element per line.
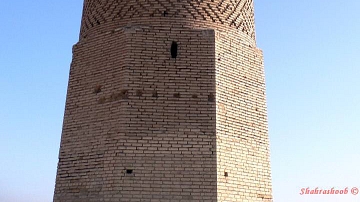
<point x="238" y="15"/>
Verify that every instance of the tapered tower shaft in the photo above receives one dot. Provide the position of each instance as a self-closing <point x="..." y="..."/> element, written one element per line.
<point x="166" y="102"/>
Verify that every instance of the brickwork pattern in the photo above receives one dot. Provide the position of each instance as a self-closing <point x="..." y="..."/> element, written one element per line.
<point x="142" y="125"/>
<point x="227" y="13"/>
<point x="127" y="109"/>
<point x="241" y="122"/>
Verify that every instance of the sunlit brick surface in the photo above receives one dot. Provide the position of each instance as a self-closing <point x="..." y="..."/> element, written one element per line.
<point x="143" y="125"/>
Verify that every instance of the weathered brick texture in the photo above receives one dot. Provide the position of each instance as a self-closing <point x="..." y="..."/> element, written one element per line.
<point x="143" y="125"/>
<point x="241" y="122"/>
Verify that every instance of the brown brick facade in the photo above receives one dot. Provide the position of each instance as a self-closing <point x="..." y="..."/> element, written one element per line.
<point x="166" y="102"/>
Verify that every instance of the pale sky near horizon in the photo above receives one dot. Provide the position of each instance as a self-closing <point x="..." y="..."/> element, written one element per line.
<point x="311" y="50"/>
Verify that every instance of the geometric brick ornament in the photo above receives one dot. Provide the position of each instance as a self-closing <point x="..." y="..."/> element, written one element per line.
<point x="238" y="14"/>
<point x="165" y="102"/>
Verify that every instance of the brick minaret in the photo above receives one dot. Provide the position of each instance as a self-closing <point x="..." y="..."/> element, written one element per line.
<point x="166" y="102"/>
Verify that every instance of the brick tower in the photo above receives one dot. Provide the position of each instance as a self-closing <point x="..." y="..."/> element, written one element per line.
<point x="166" y="102"/>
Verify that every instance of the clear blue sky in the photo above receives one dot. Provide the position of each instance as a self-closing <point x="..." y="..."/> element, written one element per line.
<point x="312" y="57"/>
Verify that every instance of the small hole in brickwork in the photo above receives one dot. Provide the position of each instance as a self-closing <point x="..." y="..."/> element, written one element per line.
<point x="97" y="89"/>
<point x="124" y="94"/>
<point x="154" y="93"/>
<point x="129" y="171"/>
<point x="226" y="174"/>
<point x="194" y="96"/>
<point x="139" y="93"/>
<point x="174" y="49"/>
<point x="211" y="97"/>
<point x="177" y="95"/>
<point x="165" y="13"/>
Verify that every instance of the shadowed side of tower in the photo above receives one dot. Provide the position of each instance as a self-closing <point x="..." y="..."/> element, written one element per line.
<point x="166" y="102"/>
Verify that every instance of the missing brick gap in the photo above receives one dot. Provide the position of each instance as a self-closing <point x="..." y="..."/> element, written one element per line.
<point x="129" y="171"/>
<point x="124" y="94"/>
<point x="165" y="13"/>
<point x="211" y="97"/>
<point x="155" y="94"/>
<point x="139" y="93"/>
<point x="226" y="174"/>
<point x="97" y="89"/>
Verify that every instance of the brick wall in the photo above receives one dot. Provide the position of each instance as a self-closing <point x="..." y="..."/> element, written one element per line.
<point x="241" y="122"/>
<point x="143" y="125"/>
<point x="105" y="15"/>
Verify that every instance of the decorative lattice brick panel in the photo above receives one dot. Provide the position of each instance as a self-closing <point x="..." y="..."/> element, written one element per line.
<point x="238" y="14"/>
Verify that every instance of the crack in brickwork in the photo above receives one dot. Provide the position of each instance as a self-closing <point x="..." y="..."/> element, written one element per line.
<point x="238" y="14"/>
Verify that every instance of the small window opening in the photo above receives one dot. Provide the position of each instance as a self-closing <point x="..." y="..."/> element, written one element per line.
<point x="174" y="49"/>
